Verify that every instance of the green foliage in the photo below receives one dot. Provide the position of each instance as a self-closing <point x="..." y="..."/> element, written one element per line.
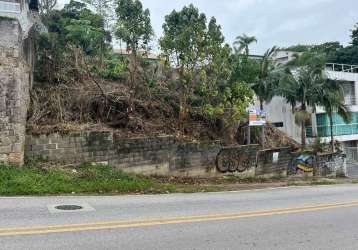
<point x="302" y="85"/>
<point x="327" y="48"/>
<point x="104" y="8"/>
<point x="185" y="44"/>
<point x="134" y="28"/>
<point x="74" y="32"/>
<point x="318" y="146"/>
<point x="268" y="78"/>
<point x="231" y="101"/>
<point x="354" y="35"/>
<point x="183" y="41"/>
<point x="244" y="69"/>
<point x="333" y="51"/>
<point x="242" y="44"/>
<point x="115" y="68"/>
<point x="332" y="99"/>
<point x="82" y="179"/>
<point x="346" y="55"/>
<point x="133" y="24"/>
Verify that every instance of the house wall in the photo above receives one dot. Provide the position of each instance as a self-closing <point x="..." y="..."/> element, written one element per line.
<point x="279" y="111"/>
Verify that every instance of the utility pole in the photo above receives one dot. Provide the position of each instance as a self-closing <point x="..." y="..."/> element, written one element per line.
<point x="248" y="142"/>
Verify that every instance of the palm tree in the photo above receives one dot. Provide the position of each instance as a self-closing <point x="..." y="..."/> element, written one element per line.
<point x="267" y="79"/>
<point x="332" y="99"/>
<point x="243" y="42"/>
<point x="301" y="87"/>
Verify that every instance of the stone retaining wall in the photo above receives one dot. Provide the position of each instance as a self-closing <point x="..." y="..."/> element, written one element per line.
<point x="273" y="162"/>
<point x="166" y="156"/>
<point x="14" y="93"/>
<point x="148" y="156"/>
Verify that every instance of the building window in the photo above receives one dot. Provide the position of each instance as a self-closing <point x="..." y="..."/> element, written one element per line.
<point x="34" y="5"/>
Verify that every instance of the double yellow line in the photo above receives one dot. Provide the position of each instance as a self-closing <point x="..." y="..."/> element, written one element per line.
<point x="168" y="221"/>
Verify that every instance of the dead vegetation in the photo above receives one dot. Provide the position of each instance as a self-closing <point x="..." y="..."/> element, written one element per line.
<point x="86" y="106"/>
<point x="66" y="108"/>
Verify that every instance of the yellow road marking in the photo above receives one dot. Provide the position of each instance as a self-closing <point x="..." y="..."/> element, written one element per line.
<point x="168" y="221"/>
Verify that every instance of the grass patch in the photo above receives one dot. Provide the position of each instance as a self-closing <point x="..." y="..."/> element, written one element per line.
<point x="323" y="182"/>
<point x="251" y="179"/>
<point x="82" y="179"/>
<point x="40" y="178"/>
<point x="312" y="182"/>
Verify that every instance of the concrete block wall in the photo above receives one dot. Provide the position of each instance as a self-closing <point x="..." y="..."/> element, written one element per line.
<point x="147" y="156"/>
<point x="165" y="156"/>
<point x="14" y="93"/>
<point x="273" y="162"/>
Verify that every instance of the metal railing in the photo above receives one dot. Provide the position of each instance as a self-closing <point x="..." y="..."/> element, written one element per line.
<point x="340" y="129"/>
<point x="9" y="7"/>
<point x="342" y="67"/>
<point x="351" y="154"/>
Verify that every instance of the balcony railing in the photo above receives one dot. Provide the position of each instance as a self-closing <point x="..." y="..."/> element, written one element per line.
<point x="342" y="67"/>
<point x="343" y="129"/>
<point x="9" y="7"/>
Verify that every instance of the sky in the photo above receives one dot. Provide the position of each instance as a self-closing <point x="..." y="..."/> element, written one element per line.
<point x="273" y="22"/>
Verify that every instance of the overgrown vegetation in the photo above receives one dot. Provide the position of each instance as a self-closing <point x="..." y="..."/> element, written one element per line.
<point x="198" y="87"/>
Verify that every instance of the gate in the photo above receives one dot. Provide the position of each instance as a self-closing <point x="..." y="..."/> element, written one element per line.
<point x="352" y="161"/>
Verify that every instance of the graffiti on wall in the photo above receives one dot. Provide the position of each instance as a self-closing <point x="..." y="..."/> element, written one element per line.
<point x="234" y="160"/>
<point x="321" y="165"/>
<point x="304" y="164"/>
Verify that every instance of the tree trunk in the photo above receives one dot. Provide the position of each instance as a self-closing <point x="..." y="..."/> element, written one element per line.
<point x="303" y="135"/>
<point x="182" y="103"/>
<point x="182" y="112"/>
<point x="263" y="126"/>
<point x="133" y="74"/>
<point x="261" y="104"/>
<point x="248" y="138"/>
<point x="331" y="127"/>
<point x="303" y="129"/>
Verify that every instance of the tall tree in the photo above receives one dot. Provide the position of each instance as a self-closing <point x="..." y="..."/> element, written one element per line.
<point x="332" y="99"/>
<point x="301" y="86"/>
<point x="223" y="99"/>
<point x="183" y="47"/>
<point x="267" y="78"/>
<point x="243" y="42"/>
<point x="46" y="6"/>
<point x="134" y="28"/>
<point x="104" y="8"/>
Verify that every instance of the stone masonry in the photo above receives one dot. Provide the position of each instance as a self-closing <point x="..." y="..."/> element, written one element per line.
<point x="15" y="77"/>
<point x="162" y="156"/>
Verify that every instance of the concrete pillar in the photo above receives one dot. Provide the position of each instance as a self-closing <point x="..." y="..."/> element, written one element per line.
<point x="15" y="75"/>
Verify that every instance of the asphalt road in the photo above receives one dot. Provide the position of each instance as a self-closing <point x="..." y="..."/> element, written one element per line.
<point x="319" y="217"/>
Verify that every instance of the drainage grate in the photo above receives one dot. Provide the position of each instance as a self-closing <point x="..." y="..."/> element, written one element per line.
<point x="72" y="207"/>
<point x="69" y="207"/>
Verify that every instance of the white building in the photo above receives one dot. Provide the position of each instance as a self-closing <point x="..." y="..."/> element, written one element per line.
<point x="280" y="113"/>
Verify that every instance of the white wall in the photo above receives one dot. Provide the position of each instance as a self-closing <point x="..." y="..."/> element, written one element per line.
<point x="280" y="111"/>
